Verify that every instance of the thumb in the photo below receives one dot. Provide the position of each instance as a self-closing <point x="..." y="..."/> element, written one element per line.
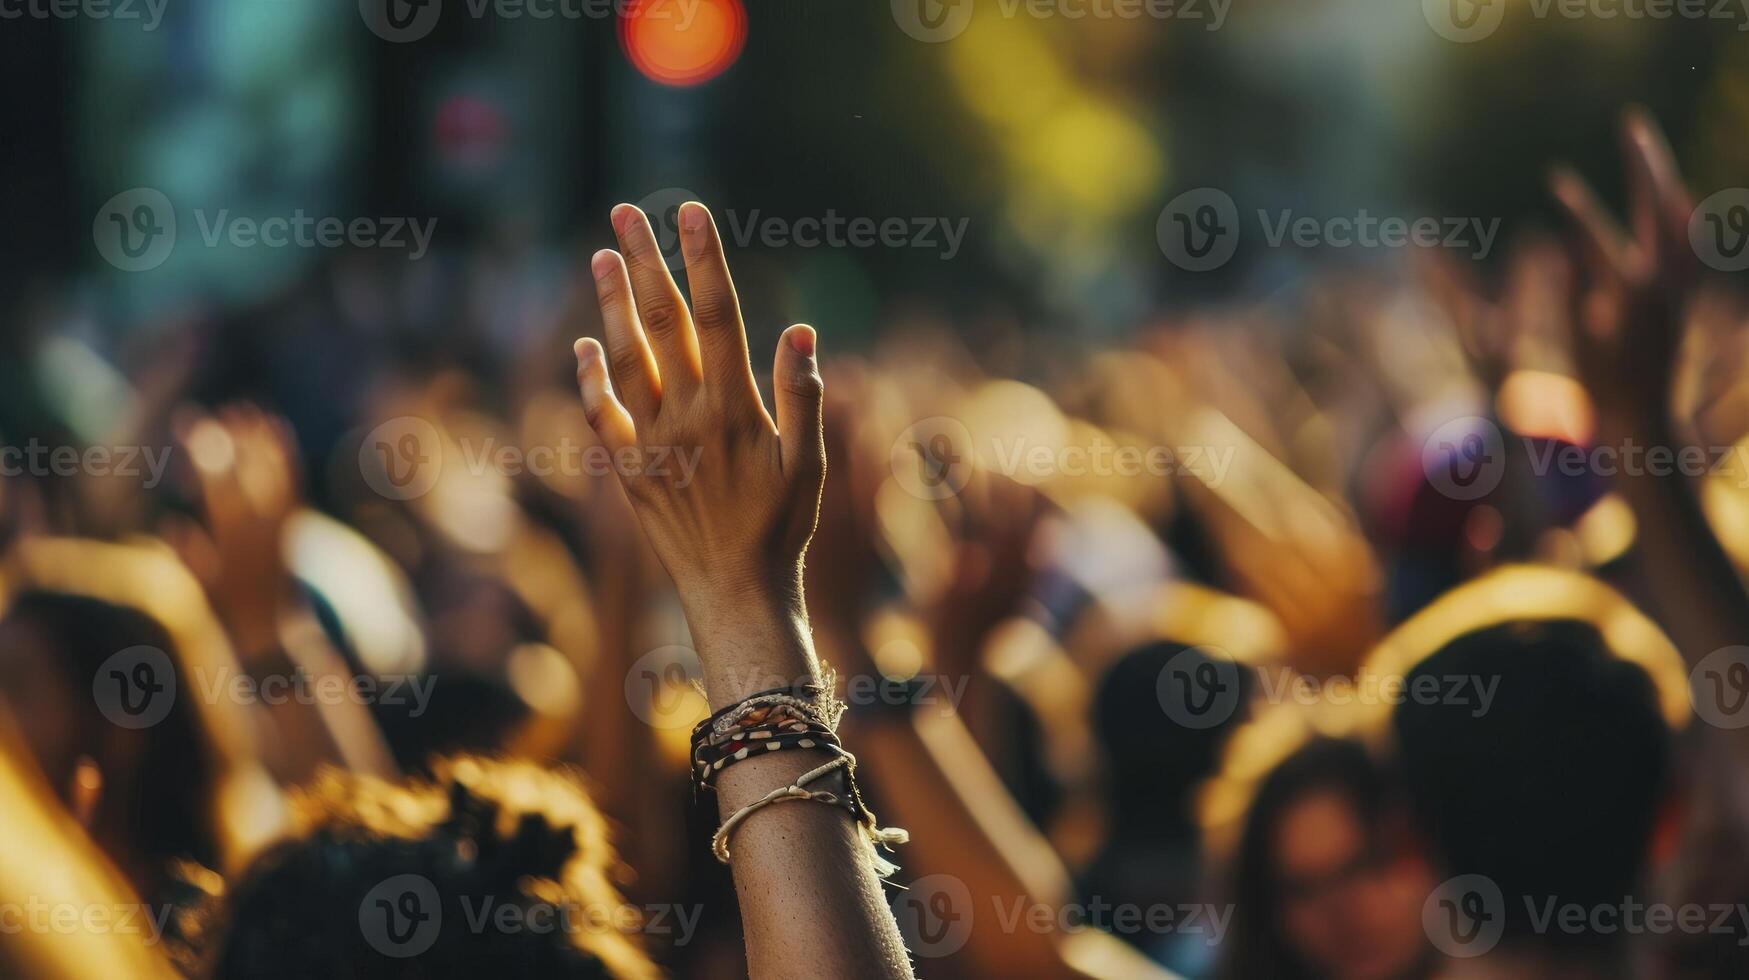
<point x="799" y="394"/>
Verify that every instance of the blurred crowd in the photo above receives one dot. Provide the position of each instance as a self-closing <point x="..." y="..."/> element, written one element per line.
<point x="1391" y="632"/>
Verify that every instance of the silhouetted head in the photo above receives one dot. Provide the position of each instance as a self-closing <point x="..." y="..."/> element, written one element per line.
<point x="1554" y="790"/>
<point x="491" y="869"/>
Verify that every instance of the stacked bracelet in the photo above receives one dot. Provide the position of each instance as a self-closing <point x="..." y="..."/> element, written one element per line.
<point x="800" y="717"/>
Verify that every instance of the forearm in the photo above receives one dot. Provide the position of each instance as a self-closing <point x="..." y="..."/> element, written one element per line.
<point x="811" y="903"/>
<point x="1694" y="587"/>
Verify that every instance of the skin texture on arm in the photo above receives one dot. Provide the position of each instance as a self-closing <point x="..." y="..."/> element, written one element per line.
<point x="674" y="381"/>
<point x="1629" y="300"/>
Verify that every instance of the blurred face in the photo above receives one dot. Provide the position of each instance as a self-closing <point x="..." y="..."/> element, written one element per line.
<point x="33" y="687"/>
<point x="1348" y="910"/>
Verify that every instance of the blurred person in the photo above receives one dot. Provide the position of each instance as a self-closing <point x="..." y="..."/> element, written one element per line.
<point x="1559" y="794"/>
<point x="1328" y="880"/>
<point x="145" y="794"/>
<point x="48" y="864"/>
<point x="1151" y="853"/>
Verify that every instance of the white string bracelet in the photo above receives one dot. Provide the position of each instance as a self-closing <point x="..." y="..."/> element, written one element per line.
<point x="794" y="791"/>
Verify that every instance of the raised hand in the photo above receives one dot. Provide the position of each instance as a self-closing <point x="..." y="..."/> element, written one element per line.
<point x="245" y="466"/>
<point x="729" y="512"/>
<point x="727" y="495"/>
<point x="1630" y="289"/>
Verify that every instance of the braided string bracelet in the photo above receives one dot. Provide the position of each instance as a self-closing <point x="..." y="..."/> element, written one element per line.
<point x="794" y="791"/>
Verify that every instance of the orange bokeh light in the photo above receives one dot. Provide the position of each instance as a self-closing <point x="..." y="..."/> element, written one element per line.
<point x="670" y="47"/>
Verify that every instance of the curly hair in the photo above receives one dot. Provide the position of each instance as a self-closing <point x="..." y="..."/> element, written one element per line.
<point x="489" y="867"/>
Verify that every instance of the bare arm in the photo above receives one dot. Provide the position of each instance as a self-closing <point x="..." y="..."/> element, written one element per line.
<point x="728" y="497"/>
<point x="1629" y="302"/>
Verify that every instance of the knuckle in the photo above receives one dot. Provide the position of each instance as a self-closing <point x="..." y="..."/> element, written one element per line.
<point x="804" y="384"/>
<point x="713" y="307"/>
<point x="659" y="318"/>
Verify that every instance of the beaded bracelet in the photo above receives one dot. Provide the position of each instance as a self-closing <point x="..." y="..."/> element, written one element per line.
<point x="711" y="760"/>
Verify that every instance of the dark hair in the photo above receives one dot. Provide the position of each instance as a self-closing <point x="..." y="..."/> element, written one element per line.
<point x="1155" y="763"/>
<point x="157" y="780"/>
<point x="1255" y="945"/>
<point x="1553" y="792"/>
<point x="481" y="838"/>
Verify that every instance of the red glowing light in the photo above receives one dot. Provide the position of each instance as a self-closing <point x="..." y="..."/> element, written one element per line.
<point x="683" y="43"/>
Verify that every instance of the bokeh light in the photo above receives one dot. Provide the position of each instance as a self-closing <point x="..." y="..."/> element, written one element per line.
<point x="683" y="45"/>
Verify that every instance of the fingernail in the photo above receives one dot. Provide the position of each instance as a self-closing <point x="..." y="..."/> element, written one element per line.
<point x="802" y="339"/>
<point x="584" y="350"/>
<point x="693" y="216"/>
<point x="602" y="264"/>
<point x="622" y="216"/>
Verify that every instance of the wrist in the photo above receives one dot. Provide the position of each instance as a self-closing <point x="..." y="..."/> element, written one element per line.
<point x="751" y="643"/>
